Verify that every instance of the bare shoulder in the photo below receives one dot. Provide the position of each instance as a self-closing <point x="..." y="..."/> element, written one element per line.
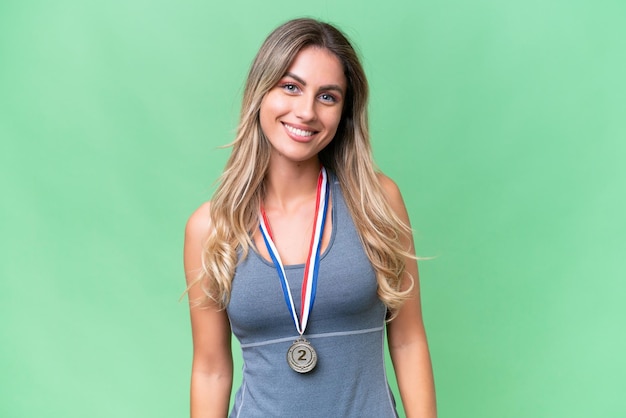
<point x="199" y="223"/>
<point x="392" y="192"/>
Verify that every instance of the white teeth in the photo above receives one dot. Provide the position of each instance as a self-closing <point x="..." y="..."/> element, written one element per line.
<point x="298" y="132"/>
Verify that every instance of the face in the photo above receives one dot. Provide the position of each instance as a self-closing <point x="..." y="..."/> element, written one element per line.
<point x="300" y="115"/>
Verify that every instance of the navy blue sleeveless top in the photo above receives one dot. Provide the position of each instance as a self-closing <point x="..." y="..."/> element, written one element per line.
<point x="346" y="328"/>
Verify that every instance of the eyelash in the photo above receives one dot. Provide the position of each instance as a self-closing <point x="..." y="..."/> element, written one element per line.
<point x="292" y="88"/>
<point x="287" y="87"/>
<point x="332" y="98"/>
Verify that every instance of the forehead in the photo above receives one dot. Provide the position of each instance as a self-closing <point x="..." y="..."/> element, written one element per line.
<point x="319" y="66"/>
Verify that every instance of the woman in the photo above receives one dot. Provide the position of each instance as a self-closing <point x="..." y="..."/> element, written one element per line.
<point x="306" y="294"/>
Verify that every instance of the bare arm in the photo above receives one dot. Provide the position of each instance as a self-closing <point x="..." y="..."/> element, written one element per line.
<point x="406" y="335"/>
<point x="212" y="369"/>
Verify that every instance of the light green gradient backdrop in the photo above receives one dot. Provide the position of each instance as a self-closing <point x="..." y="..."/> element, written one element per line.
<point x="503" y="123"/>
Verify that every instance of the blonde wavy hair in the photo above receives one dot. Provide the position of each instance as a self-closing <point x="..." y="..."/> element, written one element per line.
<point x="235" y="204"/>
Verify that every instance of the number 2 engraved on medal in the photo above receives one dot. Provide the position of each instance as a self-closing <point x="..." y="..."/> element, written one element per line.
<point x="301" y="356"/>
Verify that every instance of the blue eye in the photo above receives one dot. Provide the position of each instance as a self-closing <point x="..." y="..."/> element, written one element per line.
<point x="328" y="98"/>
<point x="289" y="88"/>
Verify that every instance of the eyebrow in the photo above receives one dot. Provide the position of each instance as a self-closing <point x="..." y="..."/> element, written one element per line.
<point x="326" y="87"/>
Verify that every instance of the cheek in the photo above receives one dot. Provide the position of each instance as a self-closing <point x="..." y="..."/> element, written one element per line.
<point x="273" y="105"/>
<point x="269" y="111"/>
<point x="333" y="119"/>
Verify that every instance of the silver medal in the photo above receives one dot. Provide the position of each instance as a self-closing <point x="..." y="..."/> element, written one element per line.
<point x="301" y="356"/>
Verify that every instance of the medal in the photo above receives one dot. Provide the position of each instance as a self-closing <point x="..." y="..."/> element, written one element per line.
<point x="301" y="356"/>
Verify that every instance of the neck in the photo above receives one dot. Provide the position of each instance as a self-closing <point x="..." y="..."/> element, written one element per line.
<point x="288" y="185"/>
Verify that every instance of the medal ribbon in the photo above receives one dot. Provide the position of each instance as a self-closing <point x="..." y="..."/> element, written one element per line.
<point x="309" y="281"/>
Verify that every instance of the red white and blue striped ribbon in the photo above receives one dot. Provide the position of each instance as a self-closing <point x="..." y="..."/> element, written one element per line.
<point x="311" y="269"/>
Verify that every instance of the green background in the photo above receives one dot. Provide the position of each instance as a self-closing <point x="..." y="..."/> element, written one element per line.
<point x="502" y="121"/>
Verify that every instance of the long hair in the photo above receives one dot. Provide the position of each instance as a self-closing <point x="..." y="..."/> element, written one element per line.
<point x="235" y="204"/>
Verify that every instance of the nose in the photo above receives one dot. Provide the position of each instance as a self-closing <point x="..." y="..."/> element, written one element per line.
<point x="305" y="108"/>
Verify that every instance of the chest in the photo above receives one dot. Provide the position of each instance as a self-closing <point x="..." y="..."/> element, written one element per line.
<point x="346" y="294"/>
<point x="292" y="234"/>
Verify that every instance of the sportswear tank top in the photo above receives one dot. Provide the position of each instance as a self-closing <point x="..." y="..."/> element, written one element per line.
<point x="346" y="328"/>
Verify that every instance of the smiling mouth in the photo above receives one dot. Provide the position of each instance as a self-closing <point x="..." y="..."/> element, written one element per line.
<point x="299" y="132"/>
